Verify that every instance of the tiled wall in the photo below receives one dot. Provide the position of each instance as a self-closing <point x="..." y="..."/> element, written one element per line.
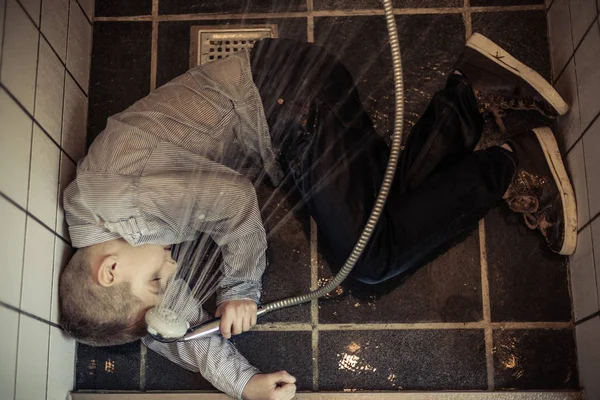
<point x="44" y="71"/>
<point x="574" y="32"/>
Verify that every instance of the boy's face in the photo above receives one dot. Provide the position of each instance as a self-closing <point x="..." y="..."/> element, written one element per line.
<point x="147" y="268"/>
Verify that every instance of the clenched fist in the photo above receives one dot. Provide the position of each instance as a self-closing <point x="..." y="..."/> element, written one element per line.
<point x="237" y="316"/>
<point x="277" y="386"/>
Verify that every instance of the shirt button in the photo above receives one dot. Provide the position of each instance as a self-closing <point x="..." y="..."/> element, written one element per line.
<point x="201" y="216"/>
<point x="280" y="101"/>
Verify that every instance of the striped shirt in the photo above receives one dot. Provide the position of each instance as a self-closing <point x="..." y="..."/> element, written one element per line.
<point x="176" y="164"/>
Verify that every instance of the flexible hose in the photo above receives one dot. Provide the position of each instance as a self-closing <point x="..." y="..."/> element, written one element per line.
<point x="387" y="180"/>
<point x="213" y="326"/>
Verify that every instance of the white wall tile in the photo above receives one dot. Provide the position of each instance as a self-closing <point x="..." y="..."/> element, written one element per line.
<point x="68" y="170"/>
<point x="74" y="120"/>
<point x="569" y="125"/>
<point x="19" y="58"/>
<point x="596" y="242"/>
<point x="2" y="10"/>
<point x="32" y="359"/>
<point x="49" y="91"/>
<point x="15" y="136"/>
<point x="37" y="270"/>
<point x="575" y="164"/>
<point x="559" y="29"/>
<point x="55" y="16"/>
<point x="62" y="254"/>
<point x="33" y="9"/>
<point x="588" y="354"/>
<point x="587" y="62"/>
<point x="8" y="348"/>
<point x="12" y="239"/>
<point x="61" y="365"/>
<point x="591" y="144"/>
<point x="79" y="46"/>
<point x="583" y="276"/>
<point x="583" y="13"/>
<point x="88" y="7"/>
<point x="43" y="181"/>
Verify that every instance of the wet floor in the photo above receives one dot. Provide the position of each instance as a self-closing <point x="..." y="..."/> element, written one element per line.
<point x="493" y="311"/>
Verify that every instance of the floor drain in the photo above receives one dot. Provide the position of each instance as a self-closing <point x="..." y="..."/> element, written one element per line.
<point x="210" y="43"/>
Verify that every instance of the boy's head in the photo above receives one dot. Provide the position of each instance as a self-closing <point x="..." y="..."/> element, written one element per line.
<point x="106" y="289"/>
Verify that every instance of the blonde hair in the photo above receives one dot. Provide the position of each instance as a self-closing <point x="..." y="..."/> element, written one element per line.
<point x="93" y="314"/>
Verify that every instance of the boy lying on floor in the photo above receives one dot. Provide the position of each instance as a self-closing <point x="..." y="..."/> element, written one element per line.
<point x="180" y="162"/>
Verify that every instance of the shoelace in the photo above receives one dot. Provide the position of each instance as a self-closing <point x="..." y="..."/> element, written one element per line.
<point x="529" y="206"/>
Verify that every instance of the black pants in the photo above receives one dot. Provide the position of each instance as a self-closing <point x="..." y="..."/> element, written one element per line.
<point x="326" y="140"/>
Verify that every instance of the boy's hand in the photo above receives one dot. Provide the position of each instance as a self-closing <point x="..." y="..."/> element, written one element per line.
<point x="276" y="386"/>
<point x="237" y="316"/>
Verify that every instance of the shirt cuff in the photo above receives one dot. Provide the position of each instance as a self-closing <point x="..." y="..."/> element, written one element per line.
<point x="243" y="290"/>
<point x="242" y="381"/>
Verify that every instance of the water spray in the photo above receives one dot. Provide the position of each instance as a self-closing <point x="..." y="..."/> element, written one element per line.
<point x="168" y="326"/>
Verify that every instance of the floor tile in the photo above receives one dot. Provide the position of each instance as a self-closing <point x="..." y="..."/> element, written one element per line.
<point x="447" y="289"/>
<point x="438" y="360"/>
<point x="569" y="125"/>
<point x="175" y="60"/>
<point x="535" y="359"/>
<point x="33" y="9"/>
<point x="376" y="4"/>
<point x="427" y="57"/>
<point x="288" y="270"/>
<point x="596" y="244"/>
<point x="583" y="12"/>
<point x="120" y="74"/>
<point x="518" y="257"/>
<point x="591" y="143"/>
<point x="19" y="58"/>
<point x="487" y="3"/>
<point x="575" y="164"/>
<point x="43" y="178"/>
<point x="583" y="276"/>
<point x="8" y="348"/>
<point x="61" y="359"/>
<point x="289" y="351"/>
<point x="49" y="91"/>
<point x="32" y="359"/>
<point x="116" y="8"/>
<point x="229" y="6"/>
<point x="588" y="350"/>
<point x="36" y="291"/>
<point x="561" y="40"/>
<point x="509" y="28"/>
<point x="12" y="242"/>
<point x="116" y="367"/>
<point x="587" y="59"/>
<point x="2" y="14"/>
<point x="75" y="111"/>
<point x="79" y="46"/>
<point x="162" y="374"/>
<point x="55" y="19"/>
<point x="88" y="6"/>
<point x="15" y="151"/>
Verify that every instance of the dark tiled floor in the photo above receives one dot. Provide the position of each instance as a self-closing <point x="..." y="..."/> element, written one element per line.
<point x="535" y="359"/>
<point x="116" y="8"/>
<point x="103" y="368"/>
<point x="428" y="360"/>
<point x="488" y="3"/>
<point x="527" y="283"/>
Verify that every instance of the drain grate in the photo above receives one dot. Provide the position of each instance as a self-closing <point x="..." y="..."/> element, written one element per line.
<point x="215" y="42"/>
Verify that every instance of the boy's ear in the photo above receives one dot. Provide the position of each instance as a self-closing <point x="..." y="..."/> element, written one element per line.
<point x="106" y="272"/>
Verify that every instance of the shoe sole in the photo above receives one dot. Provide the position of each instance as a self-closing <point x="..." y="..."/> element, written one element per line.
<point x="550" y="147"/>
<point x="501" y="57"/>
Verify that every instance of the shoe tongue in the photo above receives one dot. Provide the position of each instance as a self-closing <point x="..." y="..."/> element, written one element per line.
<point x="524" y="203"/>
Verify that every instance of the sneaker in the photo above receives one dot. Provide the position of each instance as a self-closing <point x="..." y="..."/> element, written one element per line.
<point x="541" y="190"/>
<point x="501" y="82"/>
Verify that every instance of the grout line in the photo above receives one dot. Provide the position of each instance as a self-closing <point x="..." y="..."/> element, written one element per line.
<point x="315" y="360"/>
<point x="36" y="219"/>
<point x="143" y="354"/>
<point x="314" y="304"/>
<point x="468" y="20"/>
<point x="399" y="326"/>
<point x="154" y="50"/>
<point x="3" y="32"/>
<point x="485" y="298"/>
<point x="591" y="316"/>
<point x="17" y="354"/>
<point x="310" y="22"/>
<point x="319" y="13"/>
<point x="23" y="312"/>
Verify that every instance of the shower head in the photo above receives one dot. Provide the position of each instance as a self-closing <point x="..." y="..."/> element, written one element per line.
<point x="166" y="325"/>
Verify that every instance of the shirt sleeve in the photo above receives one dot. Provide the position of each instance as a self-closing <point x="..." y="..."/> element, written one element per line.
<point x="208" y="197"/>
<point x="214" y="357"/>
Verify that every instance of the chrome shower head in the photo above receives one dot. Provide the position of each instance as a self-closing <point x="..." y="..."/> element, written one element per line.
<point x="166" y="325"/>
